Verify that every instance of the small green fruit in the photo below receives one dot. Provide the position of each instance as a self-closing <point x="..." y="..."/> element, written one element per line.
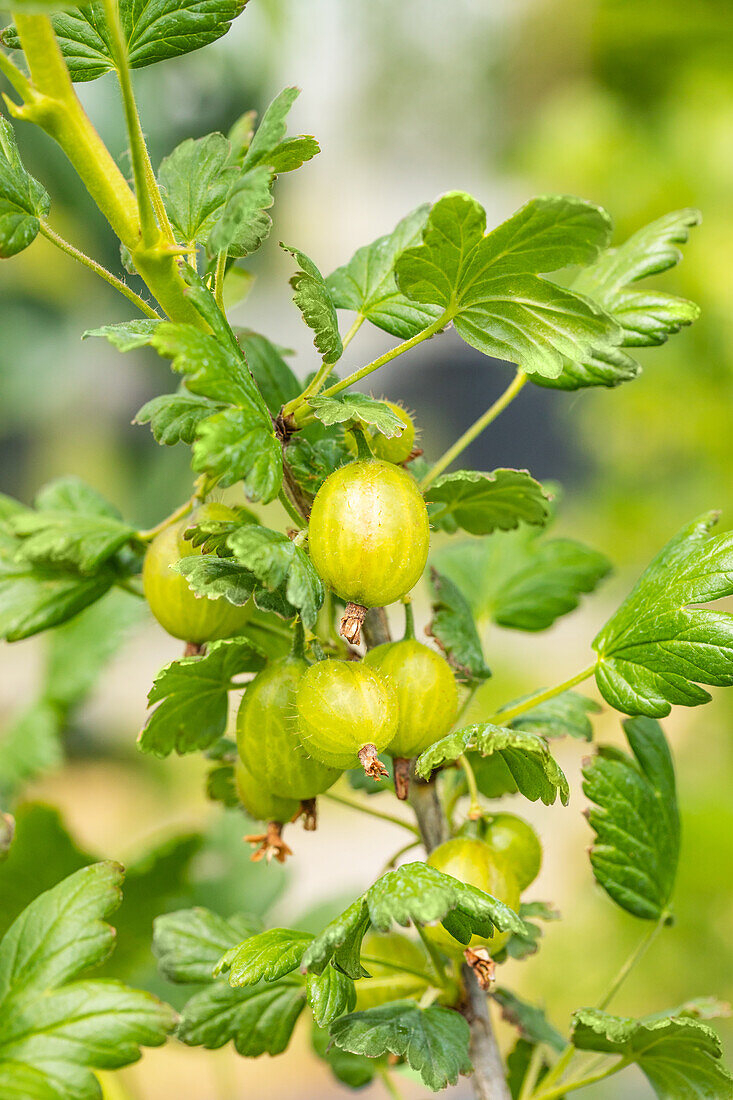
<point x="262" y="805"/>
<point x="472" y="861"/>
<point x="267" y="734"/>
<point x="515" y="839"/>
<point x="369" y="533"/>
<point x="192" y="618"/>
<point x="426" y="693"/>
<point x="387" y="983"/>
<point x="347" y="713"/>
<point x="396" y="449"/>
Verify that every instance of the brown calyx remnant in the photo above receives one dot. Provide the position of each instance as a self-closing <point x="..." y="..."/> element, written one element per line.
<point x="482" y="964"/>
<point x="271" y="844"/>
<point x="372" y="765"/>
<point x="194" y="649"/>
<point x="402" y="777"/>
<point x="309" y="814"/>
<point x="414" y="453"/>
<point x="352" y="621"/>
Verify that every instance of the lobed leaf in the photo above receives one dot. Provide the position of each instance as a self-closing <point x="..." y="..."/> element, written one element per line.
<point x="566" y="715"/>
<point x="23" y="201"/>
<point x="192" y="697"/>
<point x="655" y="651"/>
<point x="267" y="957"/>
<point x="174" y="417"/>
<point x="530" y="762"/>
<point x="357" y="408"/>
<point x="311" y="463"/>
<point x="636" y="821"/>
<point x="237" y="444"/>
<point x="433" y="1041"/>
<point x="454" y="629"/>
<point x="529" y="1020"/>
<point x="315" y="303"/>
<point x="482" y="503"/>
<point x="283" y="571"/>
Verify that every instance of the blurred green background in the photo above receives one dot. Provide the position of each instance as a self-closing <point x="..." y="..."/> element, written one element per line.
<point x="628" y="105"/>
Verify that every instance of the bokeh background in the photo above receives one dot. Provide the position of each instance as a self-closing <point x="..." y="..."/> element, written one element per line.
<point x="627" y="104"/>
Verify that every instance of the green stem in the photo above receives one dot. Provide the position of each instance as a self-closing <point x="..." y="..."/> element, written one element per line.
<point x="389" y="1084"/>
<point x="409" y="620"/>
<point x="434" y="955"/>
<point x="533" y="1071"/>
<point x="467" y="700"/>
<point x="88" y="262"/>
<point x="221" y="270"/>
<point x="368" y="810"/>
<point x="290" y="509"/>
<point x="363" y="450"/>
<point x="353" y="330"/>
<point x="400" y="852"/>
<point x="316" y="383"/>
<point x="138" y="148"/>
<point x="15" y="76"/>
<point x="298" y="646"/>
<point x="298" y="408"/>
<point x="476" y="429"/>
<point x="128" y="586"/>
<point x="149" y="534"/>
<point x="374" y="961"/>
<point x="474" y="809"/>
<point x="582" y="1083"/>
<point x="635" y="957"/>
<point x="509" y="713"/>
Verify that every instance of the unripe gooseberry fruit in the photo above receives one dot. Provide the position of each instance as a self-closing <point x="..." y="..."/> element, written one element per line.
<point x="347" y="714"/>
<point x="368" y="536"/>
<point x="267" y="736"/>
<point x="389" y="983"/>
<point x="397" y="448"/>
<point x="515" y="839"/>
<point x="472" y="861"/>
<point x="426" y="693"/>
<point x="192" y="618"/>
<point x="262" y="805"/>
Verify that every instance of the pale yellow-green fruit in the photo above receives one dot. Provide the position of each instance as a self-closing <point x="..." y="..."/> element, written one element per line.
<point x="267" y="736"/>
<point x="396" y="448"/>
<point x="342" y="707"/>
<point x="184" y="615"/>
<point x="261" y="804"/>
<point x="515" y="839"/>
<point x="426" y="693"/>
<point x="369" y="534"/>
<point x="387" y="983"/>
<point x="472" y="861"/>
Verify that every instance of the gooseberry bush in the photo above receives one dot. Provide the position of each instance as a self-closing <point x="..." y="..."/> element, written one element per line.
<point x="293" y="612"/>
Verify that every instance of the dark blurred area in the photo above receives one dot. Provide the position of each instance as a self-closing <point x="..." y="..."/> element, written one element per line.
<point x="627" y="104"/>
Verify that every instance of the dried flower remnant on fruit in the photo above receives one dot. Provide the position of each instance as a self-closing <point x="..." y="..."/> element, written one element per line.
<point x="483" y="966"/>
<point x="271" y="844"/>
<point x="372" y="765"/>
<point x="309" y="813"/>
<point x="352" y="622"/>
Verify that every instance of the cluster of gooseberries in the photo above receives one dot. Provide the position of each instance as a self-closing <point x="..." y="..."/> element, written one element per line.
<point x="301" y="724"/>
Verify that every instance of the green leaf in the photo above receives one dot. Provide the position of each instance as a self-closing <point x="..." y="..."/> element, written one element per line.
<point x="213" y="368"/>
<point x="243" y="222"/>
<point x="367" y="283"/>
<point x="454" y="629"/>
<point x="7" y="829"/>
<point x="315" y="303"/>
<point x="329" y="994"/>
<point x="174" y="417"/>
<point x="482" y="503"/>
<point x="282" y="568"/>
<point x="433" y="1041"/>
<point x="58" y="1028"/>
<point x="78" y="539"/>
<point x="357" y="408"/>
<point x="214" y="577"/>
<point x="265" y="957"/>
<point x="34" y="598"/>
<point x="414" y="893"/>
<point x="268" y="145"/>
<point x="31" y="745"/>
<point x="275" y="380"/>
<point x="127" y="336"/>
<point x="239" y="445"/>
<point x="192" y="694"/>
<point x="311" y="463"/>
<point x="646" y="317"/>
<point x="529" y="1020"/>
<point x="154" y="32"/>
<point x="564" y="716"/>
<point x="532" y="765"/>
<point x="189" y="942"/>
<point x="654" y="651"/>
<point x="521" y="945"/>
<point x="23" y="201"/>
<point x="679" y="1056"/>
<point x="195" y="180"/>
<point x="488" y="286"/>
<point x="221" y="785"/>
<point x="636" y="821"/>
<point x="522" y="580"/>
<point x="353" y="1070"/>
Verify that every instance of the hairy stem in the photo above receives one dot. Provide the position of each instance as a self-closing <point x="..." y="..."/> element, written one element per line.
<point x="508" y="713"/>
<point x="389" y="1083"/>
<point x="434" y="955"/>
<point x="581" y="1083"/>
<point x="102" y="272"/>
<point x="298" y="409"/>
<point x="476" y="429"/>
<point x="533" y="1072"/>
<point x="634" y="958"/>
<point x="474" y="809"/>
<point x="221" y="270"/>
<point x="342" y="801"/>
